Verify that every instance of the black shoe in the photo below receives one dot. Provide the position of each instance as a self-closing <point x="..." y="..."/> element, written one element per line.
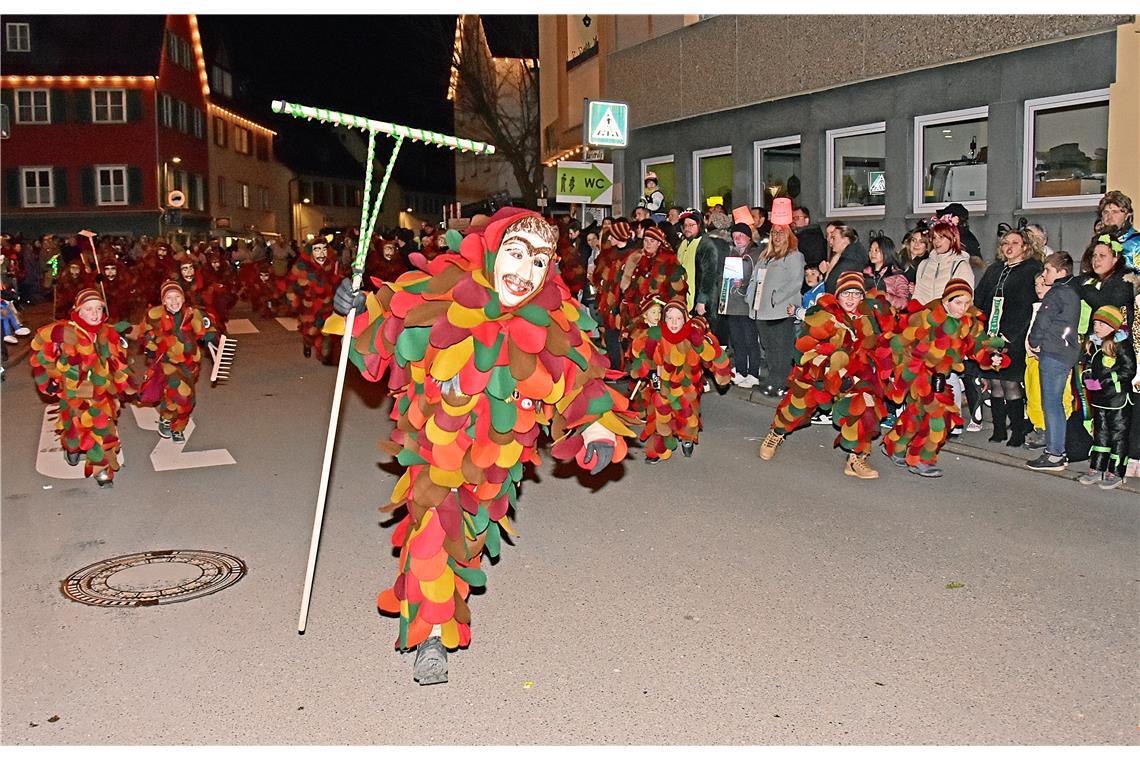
<point x="104" y="479"/>
<point x="308" y="352"/>
<point x="72" y="457"/>
<point x="997" y="412"/>
<point x="1047" y="461"/>
<point x="653" y="460"/>
<point x="687" y="448"/>
<point x="431" y="662"/>
<point x="164" y="428"/>
<point x="178" y="436"/>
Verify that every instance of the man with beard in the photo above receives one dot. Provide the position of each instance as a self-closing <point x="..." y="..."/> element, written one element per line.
<point x="310" y="288"/>
<point x="481" y="348"/>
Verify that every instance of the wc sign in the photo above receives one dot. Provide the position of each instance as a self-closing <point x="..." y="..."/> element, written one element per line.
<point x="585" y="182"/>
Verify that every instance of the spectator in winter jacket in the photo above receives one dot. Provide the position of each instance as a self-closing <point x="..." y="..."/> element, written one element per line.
<point x="812" y="243"/>
<point x="847" y="254"/>
<point x="699" y="258"/>
<point x="958" y="214"/>
<point x="946" y="260"/>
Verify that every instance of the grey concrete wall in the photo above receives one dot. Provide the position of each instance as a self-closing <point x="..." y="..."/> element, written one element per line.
<point x="1002" y="82"/>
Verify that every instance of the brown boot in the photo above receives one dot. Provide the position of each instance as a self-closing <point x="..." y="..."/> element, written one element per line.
<point x="769" y="445"/>
<point x="858" y="467"/>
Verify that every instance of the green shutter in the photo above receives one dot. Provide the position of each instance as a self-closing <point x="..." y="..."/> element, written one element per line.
<point x="59" y="186"/>
<point x="8" y="98"/>
<point x="134" y="186"/>
<point x="12" y="188"/>
<point x="83" y="106"/>
<point x="58" y="106"/>
<point x="87" y="185"/>
<point x="134" y="105"/>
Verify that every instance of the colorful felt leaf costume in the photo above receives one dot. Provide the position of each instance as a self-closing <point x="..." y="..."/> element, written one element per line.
<point x="836" y="369"/>
<point x="932" y="342"/>
<point x="661" y="275"/>
<point x="643" y="342"/>
<point x="86" y="368"/>
<point x="473" y="383"/>
<point x="171" y="340"/>
<point x="607" y="285"/>
<point x="674" y="410"/>
<point x="310" y="287"/>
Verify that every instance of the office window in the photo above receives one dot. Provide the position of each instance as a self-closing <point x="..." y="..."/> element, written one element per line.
<point x="950" y="156"/>
<point x="19" y="38"/>
<point x="856" y="170"/>
<point x="243" y="140"/>
<point x="182" y="115"/>
<point x="244" y="188"/>
<point x="109" y="106"/>
<point x="221" y="132"/>
<point x="111" y="183"/>
<point x="1066" y="150"/>
<point x="221" y="191"/>
<point x="712" y="178"/>
<point x="776" y="170"/>
<point x="37" y="185"/>
<point x="33" y="107"/>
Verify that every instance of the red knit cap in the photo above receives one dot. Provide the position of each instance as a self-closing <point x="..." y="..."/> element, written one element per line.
<point x="957" y="287"/>
<point x="168" y="286"/>
<point x="850" y="281"/>
<point x="621" y="231"/>
<point x="88" y="294"/>
<point x="658" y="234"/>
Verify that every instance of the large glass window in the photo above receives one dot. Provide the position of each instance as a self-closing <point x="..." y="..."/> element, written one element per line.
<point x="712" y="178"/>
<point x="112" y="185"/>
<point x="37" y="187"/>
<point x="777" y="170"/>
<point x="32" y="107"/>
<point x="662" y="166"/>
<point x="950" y="156"/>
<point x="857" y="170"/>
<point x="1066" y="150"/>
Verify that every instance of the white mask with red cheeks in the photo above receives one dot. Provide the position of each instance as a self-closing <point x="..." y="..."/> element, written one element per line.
<point x="521" y="266"/>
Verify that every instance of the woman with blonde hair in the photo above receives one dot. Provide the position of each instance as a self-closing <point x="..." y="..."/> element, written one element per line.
<point x="774" y="290"/>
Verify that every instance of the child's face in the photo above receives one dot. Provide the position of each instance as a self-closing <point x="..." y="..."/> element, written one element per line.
<point x="811" y="277"/>
<point x="1040" y="286"/>
<point x="674" y="319"/>
<point x="653" y="315"/>
<point x="958" y="305"/>
<point x="1051" y="275"/>
<point x="1102" y="329"/>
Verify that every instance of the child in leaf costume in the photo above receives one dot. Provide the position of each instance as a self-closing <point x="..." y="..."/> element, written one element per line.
<point x="643" y="340"/>
<point x="836" y="370"/>
<point x="934" y="342"/>
<point x="481" y="348"/>
<point x="171" y="333"/>
<point x="82" y="361"/>
<point x="685" y="350"/>
<point x="655" y="272"/>
<point x="310" y="287"/>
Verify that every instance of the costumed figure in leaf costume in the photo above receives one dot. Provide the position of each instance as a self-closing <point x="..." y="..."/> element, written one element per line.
<point x="652" y="270"/>
<point x="82" y="361"/>
<point x="836" y="369"/>
<point x="643" y="340"/>
<point x="310" y="288"/>
<point x="934" y="342"/>
<point x="679" y="359"/>
<point x="171" y="333"/>
<point x="483" y="350"/>
<point x="606" y="281"/>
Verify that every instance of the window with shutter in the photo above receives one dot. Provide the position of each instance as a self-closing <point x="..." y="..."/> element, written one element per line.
<point x="37" y="186"/>
<point x="59" y="187"/>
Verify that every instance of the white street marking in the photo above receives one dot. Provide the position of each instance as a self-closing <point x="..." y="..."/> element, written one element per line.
<point x="49" y="457"/>
<point x="168" y="455"/>
<point x="289" y="323"/>
<point x="240" y="327"/>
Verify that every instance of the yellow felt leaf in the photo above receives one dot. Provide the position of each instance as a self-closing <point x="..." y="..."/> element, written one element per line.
<point x="461" y="409"/>
<point x="449" y="634"/>
<point x="461" y="316"/>
<point x="450" y="360"/>
<point x="418" y="373"/>
<point x="509" y="454"/>
<point x="437" y="435"/>
<point x="445" y="478"/>
<point x="441" y="589"/>
<point x="401" y="489"/>
<point x="506" y="525"/>
<point x="613" y="423"/>
<point x="556" y="391"/>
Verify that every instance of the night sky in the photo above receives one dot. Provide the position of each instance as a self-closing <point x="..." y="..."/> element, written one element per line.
<point x="394" y="68"/>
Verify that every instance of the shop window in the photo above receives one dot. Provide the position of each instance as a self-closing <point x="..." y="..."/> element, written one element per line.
<point x="951" y="152"/>
<point x="712" y="178"/>
<point x="777" y="170"/>
<point x="1066" y="150"/>
<point x="857" y="170"/>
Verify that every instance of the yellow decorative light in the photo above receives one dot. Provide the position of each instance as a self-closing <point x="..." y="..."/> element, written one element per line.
<point x="240" y="119"/>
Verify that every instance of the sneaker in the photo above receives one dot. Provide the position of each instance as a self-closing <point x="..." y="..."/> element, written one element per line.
<point x="973" y="427"/>
<point x="925" y="470"/>
<point x="653" y="460"/>
<point x="858" y="467"/>
<point x="1047" y="461"/>
<point x="708" y="387"/>
<point x="821" y="418"/>
<point x="105" y="479"/>
<point x="431" y="663"/>
<point x="737" y="378"/>
<point x="1035" y="440"/>
<point x="21" y="330"/>
<point x="897" y="459"/>
<point x="178" y="436"/>
<point x="1090" y="477"/>
<point x="164" y="428"/>
<point x="72" y="457"/>
<point x="687" y="448"/>
<point x="956" y="432"/>
<point x="888" y="422"/>
<point x="748" y="382"/>
<point x="1111" y="481"/>
<point x="10" y="339"/>
<point x="769" y="445"/>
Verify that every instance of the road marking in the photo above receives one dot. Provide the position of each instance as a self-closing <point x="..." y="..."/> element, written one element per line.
<point x="289" y="323"/>
<point x="168" y="455"/>
<point x="49" y="458"/>
<point x="240" y="327"/>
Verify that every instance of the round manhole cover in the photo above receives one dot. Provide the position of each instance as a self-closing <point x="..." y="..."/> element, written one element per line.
<point x="150" y="578"/>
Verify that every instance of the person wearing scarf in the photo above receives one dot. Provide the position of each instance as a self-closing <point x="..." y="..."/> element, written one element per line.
<point x="82" y="362"/>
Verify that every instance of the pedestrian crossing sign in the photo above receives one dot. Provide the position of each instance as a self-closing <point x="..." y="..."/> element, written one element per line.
<point x="608" y="124"/>
<point x="878" y="182"/>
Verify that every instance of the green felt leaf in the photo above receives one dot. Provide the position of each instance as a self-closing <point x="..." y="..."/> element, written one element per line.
<point x="503" y="414"/>
<point x="536" y="315"/>
<point x="600" y="405"/>
<point x="493" y="309"/>
<point x="412" y="343"/>
<point x="576" y="357"/>
<point x="408" y="457"/>
<point x="480" y="520"/>
<point x="516" y="471"/>
<point x="485" y="356"/>
<point x="492" y="543"/>
<point x="473" y="575"/>
<point x="501" y="384"/>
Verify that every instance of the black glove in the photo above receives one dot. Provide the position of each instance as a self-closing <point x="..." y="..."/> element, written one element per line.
<point x="938" y="382"/>
<point x="346" y="298"/>
<point x="149" y="355"/>
<point x="655" y="381"/>
<point x="602" y="452"/>
<point x="52" y="388"/>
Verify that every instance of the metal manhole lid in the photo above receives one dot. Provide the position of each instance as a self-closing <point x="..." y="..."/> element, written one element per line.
<point x="156" y="577"/>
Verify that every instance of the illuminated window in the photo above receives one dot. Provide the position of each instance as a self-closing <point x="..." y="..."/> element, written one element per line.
<point x="712" y="177"/>
<point x="244" y="194"/>
<point x="182" y="114"/>
<point x="777" y="170"/>
<point x="1066" y="150"/>
<point x="856" y="170"/>
<point x="951" y="150"/>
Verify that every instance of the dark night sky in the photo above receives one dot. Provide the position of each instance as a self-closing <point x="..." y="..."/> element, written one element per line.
<point x="393" y="68"/>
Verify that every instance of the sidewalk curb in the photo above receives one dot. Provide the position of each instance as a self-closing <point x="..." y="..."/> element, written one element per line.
<point x="1132" y="485"/>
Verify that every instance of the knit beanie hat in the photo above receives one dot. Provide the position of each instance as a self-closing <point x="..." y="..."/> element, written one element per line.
<point x="742" y="227"/>
<point x="693" y="214"/>
<point x="621" y="231"/>
<point x="1110" y="315"/>
<point x="168" y="286"/>
<point x="87" y="294"/>
<point x="850" y="281"/>
<point x="658" y="234"/>
<point x="957" y="287"/>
